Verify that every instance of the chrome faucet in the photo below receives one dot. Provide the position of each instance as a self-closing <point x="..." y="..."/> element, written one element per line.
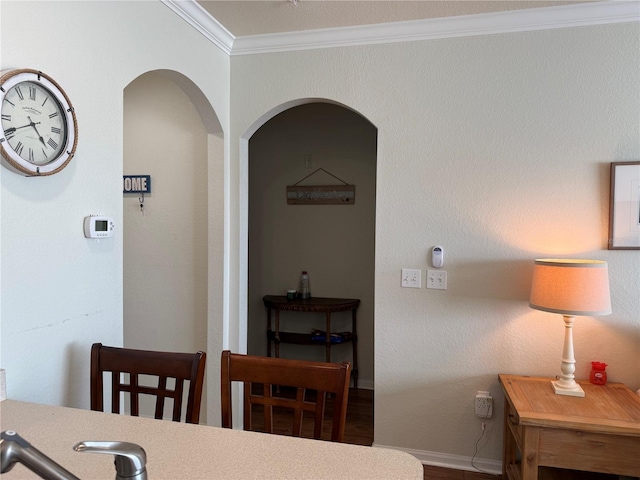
<point x="130" y="461"/>
<point x="14" y="448"/>
<point x="131" y="458"/>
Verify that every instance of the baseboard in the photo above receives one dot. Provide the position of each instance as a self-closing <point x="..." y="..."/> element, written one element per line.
<point x="365" y="384"/>
<point x="457" y="462"/>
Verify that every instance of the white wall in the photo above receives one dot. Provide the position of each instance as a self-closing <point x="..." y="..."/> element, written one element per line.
<point x="60" y="291"/>
<point x="498" y="148"/>
<point x="334" y="243"/>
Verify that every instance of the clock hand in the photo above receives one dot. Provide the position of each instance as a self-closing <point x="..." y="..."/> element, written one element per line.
<point x="13" y="129"/>
<point x="32" y="124"/>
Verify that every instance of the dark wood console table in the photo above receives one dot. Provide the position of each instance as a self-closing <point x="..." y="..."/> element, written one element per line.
<point x="314" y="305"/>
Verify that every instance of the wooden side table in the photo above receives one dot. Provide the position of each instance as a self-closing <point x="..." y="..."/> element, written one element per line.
<point x="317" y="305"/>
<point x="599" y="432"/>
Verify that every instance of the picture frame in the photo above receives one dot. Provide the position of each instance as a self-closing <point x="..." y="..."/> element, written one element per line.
<point x="624" y="206"/>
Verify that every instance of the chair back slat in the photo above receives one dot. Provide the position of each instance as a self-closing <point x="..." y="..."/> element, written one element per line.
<point x="163" y="365"/>
<point x="274" y="373"/>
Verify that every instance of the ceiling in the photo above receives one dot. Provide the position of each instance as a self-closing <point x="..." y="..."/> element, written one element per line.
<point x="248" y="17"/>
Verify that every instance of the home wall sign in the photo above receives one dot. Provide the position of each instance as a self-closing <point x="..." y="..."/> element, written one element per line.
<point x="321" y="194"/>
<point x="136" y="184"/>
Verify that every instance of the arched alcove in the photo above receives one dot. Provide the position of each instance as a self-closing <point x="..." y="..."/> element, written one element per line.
<point x="172" y="134"/>
<point x="335" y="243"/>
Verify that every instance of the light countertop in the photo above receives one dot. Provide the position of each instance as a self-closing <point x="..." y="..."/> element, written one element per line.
<point x="183" y="451"/>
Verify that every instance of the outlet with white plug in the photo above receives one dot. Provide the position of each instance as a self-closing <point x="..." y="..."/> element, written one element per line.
<point x="484" y="404"/>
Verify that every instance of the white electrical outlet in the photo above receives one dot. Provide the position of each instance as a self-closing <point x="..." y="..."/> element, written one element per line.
<point x="437" y="279"/>
<point x="484" y="405"/>
<point x="411" y="278"/>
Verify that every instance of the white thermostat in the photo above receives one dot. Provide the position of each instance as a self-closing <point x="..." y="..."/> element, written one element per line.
<point x="97" y="226"/>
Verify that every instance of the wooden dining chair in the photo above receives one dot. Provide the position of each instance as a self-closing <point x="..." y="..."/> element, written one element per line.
<point x="163" y="365"/>
<point x="272" y="373"/>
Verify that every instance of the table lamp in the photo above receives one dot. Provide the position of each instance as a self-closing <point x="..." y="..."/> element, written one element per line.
<point x="570" y="287"/>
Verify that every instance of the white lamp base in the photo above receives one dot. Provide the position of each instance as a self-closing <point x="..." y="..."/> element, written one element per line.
<point x="561" y="388"/>
<point x="566" y="384"/>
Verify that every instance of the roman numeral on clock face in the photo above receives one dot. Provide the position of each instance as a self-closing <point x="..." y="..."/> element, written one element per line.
<point x="52" y="143"/>
<point x="32" y="93"/>
<point x="6" y="117"/>
<point x="56" y="130"/>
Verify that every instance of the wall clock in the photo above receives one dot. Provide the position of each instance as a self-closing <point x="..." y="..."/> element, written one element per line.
<point x="39" y="127"/>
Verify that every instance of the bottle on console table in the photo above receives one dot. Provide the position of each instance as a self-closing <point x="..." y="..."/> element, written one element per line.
<point x="305" y="291"/>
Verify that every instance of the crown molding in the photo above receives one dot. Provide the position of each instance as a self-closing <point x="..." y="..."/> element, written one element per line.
<point x="561" y="16"/>
<point x="196" y="16"/>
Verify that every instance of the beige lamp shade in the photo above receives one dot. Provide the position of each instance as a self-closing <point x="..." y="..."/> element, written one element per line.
<point x="570" y="287"/>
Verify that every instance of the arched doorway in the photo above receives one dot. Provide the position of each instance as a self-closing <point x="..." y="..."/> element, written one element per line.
<point x="170" y="133"/>
<point x="319" y="143"/>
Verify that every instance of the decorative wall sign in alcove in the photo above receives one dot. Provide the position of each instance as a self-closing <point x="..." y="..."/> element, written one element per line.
<point x="137" y="184"/>
<point x="321" y="194"/>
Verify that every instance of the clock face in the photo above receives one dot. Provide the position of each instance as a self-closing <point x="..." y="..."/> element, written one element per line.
<point x="38" y="124"/>
<point x="33" y="123"/>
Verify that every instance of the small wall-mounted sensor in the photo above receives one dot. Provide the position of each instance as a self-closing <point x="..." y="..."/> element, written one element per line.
<point x="437" y="257"/>
<point x="97" y="226"/>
